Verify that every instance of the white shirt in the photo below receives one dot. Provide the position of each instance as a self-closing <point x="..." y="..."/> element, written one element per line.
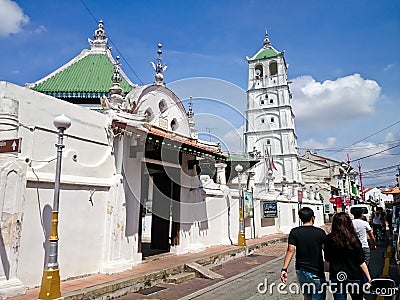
<point x="362" y="227"/>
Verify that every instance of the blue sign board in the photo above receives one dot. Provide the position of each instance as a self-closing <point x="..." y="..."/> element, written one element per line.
<point x="270" y="209"/>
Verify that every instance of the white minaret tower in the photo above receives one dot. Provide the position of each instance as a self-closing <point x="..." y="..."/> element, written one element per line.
<point x="270" y="120"/>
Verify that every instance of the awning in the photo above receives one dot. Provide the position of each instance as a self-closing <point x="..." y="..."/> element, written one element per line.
<point x="160" y="137"/>
<point x="392" y="191"/>
<point x="183" y="144"/>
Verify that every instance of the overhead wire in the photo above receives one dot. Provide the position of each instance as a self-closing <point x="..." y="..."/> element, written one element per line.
<point x="115" y="46"/>
<point x="352" y="149"/>
<point x="371" y="135"/>
<point x="376" y="153"/>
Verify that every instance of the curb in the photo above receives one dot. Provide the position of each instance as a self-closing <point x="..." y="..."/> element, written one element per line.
<point x="131" y="284"/>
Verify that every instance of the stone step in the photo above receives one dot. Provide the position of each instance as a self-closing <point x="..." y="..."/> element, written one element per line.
<point x="204" y="271"/>
<point x="181" y="277"/>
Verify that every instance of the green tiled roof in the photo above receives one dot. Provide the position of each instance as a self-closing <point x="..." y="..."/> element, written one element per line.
<point x="266" y="53"/>
<point x="89" y="75"/>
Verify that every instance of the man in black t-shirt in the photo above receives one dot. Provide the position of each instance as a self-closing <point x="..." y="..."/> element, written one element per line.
<point x="307" y="241"/>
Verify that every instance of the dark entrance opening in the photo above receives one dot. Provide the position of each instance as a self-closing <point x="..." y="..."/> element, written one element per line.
<point x="159" y="226"/>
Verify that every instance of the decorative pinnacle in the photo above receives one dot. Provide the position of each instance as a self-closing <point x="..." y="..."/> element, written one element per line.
<point x="266" y="43"/>
<point x="190" y="113"/>
<point x="116" y="77"/>
<point x="100" y="34"/>
<point x="159" y="67"/>
<point x="100" y="42"/>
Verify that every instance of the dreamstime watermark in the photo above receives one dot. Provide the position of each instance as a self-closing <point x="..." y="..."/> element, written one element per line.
<point x="341" y="285"/>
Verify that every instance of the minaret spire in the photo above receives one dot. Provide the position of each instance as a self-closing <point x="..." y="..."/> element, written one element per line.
<point x="159" y="67"/>
<point x="266" y="43"/>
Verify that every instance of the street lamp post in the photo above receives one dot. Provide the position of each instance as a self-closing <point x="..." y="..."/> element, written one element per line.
<point x="241" y="235"/>
<point x="50" y="287"/>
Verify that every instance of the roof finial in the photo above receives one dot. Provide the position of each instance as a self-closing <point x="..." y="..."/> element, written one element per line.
<point x="100" y="41"/>
<point x="159" y="67"/>
<point x="266" y="43"/>
<point x="116" y="77"/>
<point x="116" y="91"/>
<point x="190" y="114"/>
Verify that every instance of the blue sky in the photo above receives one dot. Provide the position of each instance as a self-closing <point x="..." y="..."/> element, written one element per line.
<point x="343" y="61"/>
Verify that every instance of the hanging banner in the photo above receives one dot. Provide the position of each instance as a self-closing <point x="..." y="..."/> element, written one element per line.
<point x="300" y="196"/>
<point x="248" y="205"/>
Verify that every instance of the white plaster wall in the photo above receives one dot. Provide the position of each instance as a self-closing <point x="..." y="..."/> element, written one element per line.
<point x="376" y="195"/>
<point x="285" y="213"/>
<point x="88" y="172"/>
<point x="151" y="101"/>
<point x="209" y="216"/>
<point x="258" y="214"/>
<point x="81" y="232"/>
<point x="132" y="171"/>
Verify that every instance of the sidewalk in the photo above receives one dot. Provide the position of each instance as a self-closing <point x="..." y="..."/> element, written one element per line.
<point x="151" y="272"/>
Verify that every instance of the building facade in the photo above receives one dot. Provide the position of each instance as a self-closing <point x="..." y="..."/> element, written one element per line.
<point x="130" y="186"/>
<point x="334" y="182"/>
<point x="270" y="127"/>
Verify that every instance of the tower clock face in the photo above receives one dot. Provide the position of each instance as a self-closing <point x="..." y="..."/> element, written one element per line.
<point x="258" y="72"/>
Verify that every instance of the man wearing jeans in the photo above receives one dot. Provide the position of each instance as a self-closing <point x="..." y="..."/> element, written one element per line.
<point x="307" y="241"/>
<point x="363" y="229"/>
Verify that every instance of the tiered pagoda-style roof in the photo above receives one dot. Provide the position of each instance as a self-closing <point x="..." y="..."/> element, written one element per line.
<point x="87" y="77"/>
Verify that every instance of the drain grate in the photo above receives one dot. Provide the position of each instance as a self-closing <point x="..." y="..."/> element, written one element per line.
<point x="152" y="290"/>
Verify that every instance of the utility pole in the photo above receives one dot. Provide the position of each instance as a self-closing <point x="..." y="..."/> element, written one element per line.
<point x="398" y="176"/>
<point x="209" y="132"/>
<point x="361" y="184"/>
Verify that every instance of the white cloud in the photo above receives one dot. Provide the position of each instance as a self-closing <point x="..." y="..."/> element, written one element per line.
<point x="234" y="139"/>
<point x="40" y="29"/>
<point x="320" y="105"/>
<point x="314" y="144"/>
<point x="12" y="18"/>
<point x="388" y="67"/>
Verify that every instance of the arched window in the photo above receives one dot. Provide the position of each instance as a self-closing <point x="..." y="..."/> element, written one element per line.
<point x="259" y="71"/>
<point x="149" y="114"/>
<point x="174" y="124"/>
<point x="162" y="105"/>
<point x="273" y="68"/>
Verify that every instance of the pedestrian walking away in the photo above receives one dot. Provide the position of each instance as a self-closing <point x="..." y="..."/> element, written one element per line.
<point x="364" y="231"/>
<point x="345" y="259"/>
<point x="379" y="224"/>
<point x="307" y="242"/>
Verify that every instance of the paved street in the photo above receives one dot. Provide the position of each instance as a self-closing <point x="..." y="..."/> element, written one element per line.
<point x="253" y="277"/>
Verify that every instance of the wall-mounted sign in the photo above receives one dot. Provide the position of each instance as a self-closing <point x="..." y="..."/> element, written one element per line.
<point x="327" y="208"/>
<point x="270" y="209"/>
<point x="163" y="123"/>
<point x="7" y="146"/>
<point x="248" y="205"/>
